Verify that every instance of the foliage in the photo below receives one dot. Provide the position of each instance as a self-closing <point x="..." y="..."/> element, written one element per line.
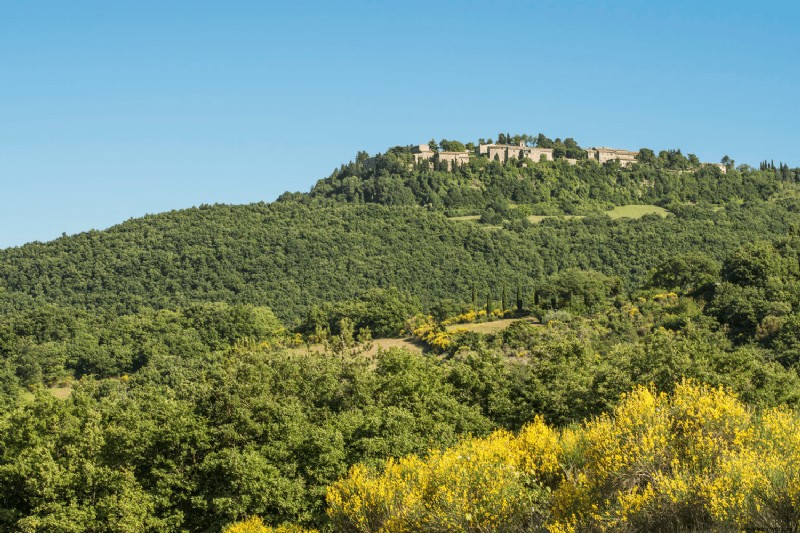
<point x="578" y="290"/>
<point x="485" y="485"/>
<point x="256" y="525"/>
<point x="198" y="444"/>
<point x="689" y="273"/>
<point x="761" y="288"/>
<point x="697" y="459"/>
<point x="364" y="228"/>
<point x="382" y="311"/>
<point x="191" y="395"/>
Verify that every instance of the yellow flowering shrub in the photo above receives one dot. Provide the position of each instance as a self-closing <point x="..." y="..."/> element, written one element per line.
<point x="480" y="485"/>
<point x="368" y="501"/>
<point x="434" y="334"/>
<point x="256" y="525"/>
<point x="465" y="318"/>
<point x="697" y="459"/>
<point x="656" y="460"/>
<point x="668" y="297"/>
<point x="758" y="487"/>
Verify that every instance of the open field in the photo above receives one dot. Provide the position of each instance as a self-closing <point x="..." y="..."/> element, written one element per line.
<point x="538" y="218"/>
<point x="61" y="392"/>
<point x="621" y="211"/>
<point x="409" y="343"/>
<point x="490" y="327"/>
<point x="636" y="211"/>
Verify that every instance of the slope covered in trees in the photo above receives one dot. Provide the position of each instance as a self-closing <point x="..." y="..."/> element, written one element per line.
<point x="193" y="369"/>
<point x="289" y="255"/>
<point x="385" y="225"/>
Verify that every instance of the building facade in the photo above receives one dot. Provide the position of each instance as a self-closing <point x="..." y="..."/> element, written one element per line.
<point x="603" y="155"/>
<point x="504" y="152"/>
<point x="423" y="152"/>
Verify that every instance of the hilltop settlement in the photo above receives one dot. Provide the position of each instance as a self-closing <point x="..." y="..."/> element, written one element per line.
<point x="429" y="154"/>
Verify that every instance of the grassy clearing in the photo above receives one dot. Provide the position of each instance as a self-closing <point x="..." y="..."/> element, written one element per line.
<point x="490" y="327"/>
<point x="622" y="211"/>
<point x="636" y="211"/>
<point x="62" y="393"/>
<point x="538" y="218"/>
<point x="408" y="343"/>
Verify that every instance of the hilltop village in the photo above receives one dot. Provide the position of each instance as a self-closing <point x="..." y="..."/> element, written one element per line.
<point x="506" y="152"/>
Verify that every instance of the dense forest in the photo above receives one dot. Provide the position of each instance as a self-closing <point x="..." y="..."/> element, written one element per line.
<point x="229" y="367"/>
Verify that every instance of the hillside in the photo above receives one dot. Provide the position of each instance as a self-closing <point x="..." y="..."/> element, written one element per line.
<point x="215" y="367"/>
<point x="392" y="226"/>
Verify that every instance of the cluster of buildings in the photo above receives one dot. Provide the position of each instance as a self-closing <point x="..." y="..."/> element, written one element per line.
<point x="506" y="152"/>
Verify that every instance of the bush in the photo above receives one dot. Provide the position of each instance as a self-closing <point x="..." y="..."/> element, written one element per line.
<point x="694" y="460"/>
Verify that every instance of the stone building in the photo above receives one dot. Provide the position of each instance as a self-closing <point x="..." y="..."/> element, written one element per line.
<point x="423" y="152"/>
<point x="602" y="154"/>
<point x="504" y="152"/>
<point x="453" y="158"/>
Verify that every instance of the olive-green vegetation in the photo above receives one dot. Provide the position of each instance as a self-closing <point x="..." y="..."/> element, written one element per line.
<point x="182" y="346"/>
<point x="290" y="256"/>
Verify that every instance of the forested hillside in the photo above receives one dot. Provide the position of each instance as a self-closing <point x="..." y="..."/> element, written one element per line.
<point x="290" y="255"/>
<point x="223" y="366"/>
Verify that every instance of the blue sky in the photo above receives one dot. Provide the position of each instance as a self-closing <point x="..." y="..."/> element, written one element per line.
<point x="111" y="110"/>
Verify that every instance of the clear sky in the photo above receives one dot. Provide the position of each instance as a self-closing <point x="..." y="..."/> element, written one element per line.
<point x="111" y="110"/>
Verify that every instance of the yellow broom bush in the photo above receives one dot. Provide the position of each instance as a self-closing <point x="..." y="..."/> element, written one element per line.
<point x="254" y="524"/>
<point x="697" y="459"/>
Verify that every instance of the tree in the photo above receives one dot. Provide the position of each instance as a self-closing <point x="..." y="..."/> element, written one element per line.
<point x="753" y="264"/>
<point x="451" y="146"/>
<point x="580" y="290"/>
<point x="727" y="161"/>
<point x="543" y="142"/>
<point x="646" y="156"/>
<point x="689" y="273"/>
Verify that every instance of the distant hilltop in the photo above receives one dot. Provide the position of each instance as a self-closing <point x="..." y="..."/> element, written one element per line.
<point x="504" y="152"/>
